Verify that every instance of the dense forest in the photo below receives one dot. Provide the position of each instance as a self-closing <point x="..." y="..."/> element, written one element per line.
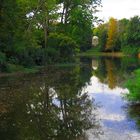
<point x="119" y="35"/>
<point x="56" y="83"/>
<point x="41" y="32"/>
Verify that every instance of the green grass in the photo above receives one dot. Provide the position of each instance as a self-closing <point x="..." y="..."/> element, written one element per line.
<point x="13" y="69"/>
<point x="96" y="52"/>
<point x="31" y="70"/>
<point x="133" y="85"/>
<point x="65" y="64"/>
<point x="18" y="68"/>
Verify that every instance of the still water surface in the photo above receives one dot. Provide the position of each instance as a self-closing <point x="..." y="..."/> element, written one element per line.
<point x="81" y="102"/>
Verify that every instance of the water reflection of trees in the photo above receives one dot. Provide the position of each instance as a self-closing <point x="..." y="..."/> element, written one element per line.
<point x="119" y="72"/>
<point x="49" y="105"/>
<point x="133" y="112"/>
<point x="114" y="71"/>
<point x="133" y="97"/>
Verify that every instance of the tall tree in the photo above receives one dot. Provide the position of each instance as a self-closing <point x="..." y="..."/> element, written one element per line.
<point x="122" y="28"/>
<point x="44" y="14"/>
<point x="133" y="31"/>
<point x="131" y="38"/>
<point x="77" y="17"/>
<point x="112" y="35"/>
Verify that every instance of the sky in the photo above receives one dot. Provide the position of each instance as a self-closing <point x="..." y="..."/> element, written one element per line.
<point x="119" y="9"/>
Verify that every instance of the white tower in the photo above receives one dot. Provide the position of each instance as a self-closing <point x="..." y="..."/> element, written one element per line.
<point x="95" y="41"/>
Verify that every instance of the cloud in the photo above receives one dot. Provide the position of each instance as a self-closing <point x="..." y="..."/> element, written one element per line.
<point x="119" y="9"/>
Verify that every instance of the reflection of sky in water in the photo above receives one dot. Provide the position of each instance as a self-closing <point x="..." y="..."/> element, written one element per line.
<point x="111" y="112"/>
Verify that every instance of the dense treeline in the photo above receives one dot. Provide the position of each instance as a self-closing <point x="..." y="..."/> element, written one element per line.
<point x="44" y="31"/>
<point x="119" y="35"/>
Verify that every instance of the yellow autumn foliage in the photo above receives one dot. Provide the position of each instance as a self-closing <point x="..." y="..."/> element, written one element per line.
<point x="112" y="34"/>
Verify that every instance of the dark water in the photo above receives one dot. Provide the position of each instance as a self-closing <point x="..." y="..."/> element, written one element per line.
<point x="82" y="102"/>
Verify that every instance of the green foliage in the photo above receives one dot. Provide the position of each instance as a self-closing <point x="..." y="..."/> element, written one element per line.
<point x="112" y="35"/>
<point x="77" y="18"/>
<point x="108" y="36"/>
<point x="2" y="61"/>
<point x="14" y="68"/>
<point x="122" y="35"/>
<point x="134" y="87"/>
<point x="131" y="37"/>
<point x="131" y="50"/>
<point x="28" y="30"/>
<point x="132" y="34"/>
<point x="19" y="68"/>
<point x="2" y="58"/>
<point x="101" y="32"/>
<point x="122" y="27"/>
<point x="63" y="46"/>
<point x="80" y="27"/>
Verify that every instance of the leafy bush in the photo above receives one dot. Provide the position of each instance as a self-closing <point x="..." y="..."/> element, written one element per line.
<point x="134" y="87"/>
<point x="132" y="36"/>
<point x="2" y="58"/>
<point x="44" y="56"/>
<point x="64" y="47"/>
<point x="13" y="68"/>
<point x="24" y="56"/>
<point x="60" y="48"/>
<point x="130" y="50"/>
<point x="2" y="61"/>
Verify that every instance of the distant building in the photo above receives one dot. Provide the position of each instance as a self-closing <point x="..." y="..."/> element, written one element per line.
<point x="95" y="41"/>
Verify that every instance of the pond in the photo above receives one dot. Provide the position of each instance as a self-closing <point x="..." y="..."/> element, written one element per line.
<point x="80" y="102"/>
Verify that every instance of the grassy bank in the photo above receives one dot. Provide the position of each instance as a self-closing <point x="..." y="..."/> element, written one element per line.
<point x="133" y="85"/>
<point x="95" y="52"/>
<point x="65" y="64"/>
<point x="12" y="69"/>
<point x="18" y="70"/>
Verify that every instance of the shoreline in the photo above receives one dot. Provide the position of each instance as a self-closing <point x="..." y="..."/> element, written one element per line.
<point x="104" y="54"/>
<point x="35" y="69"/>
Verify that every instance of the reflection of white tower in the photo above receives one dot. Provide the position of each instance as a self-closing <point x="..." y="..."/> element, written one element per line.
<point x="94" y="64"/>
<point x="95" y="41"/>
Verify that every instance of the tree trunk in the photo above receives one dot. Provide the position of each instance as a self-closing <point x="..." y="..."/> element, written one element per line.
<point x="46" y="26"/>
<point x="45" y="34"/>
<point x="62" y="16"/>
<point x="66" y="14"/>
